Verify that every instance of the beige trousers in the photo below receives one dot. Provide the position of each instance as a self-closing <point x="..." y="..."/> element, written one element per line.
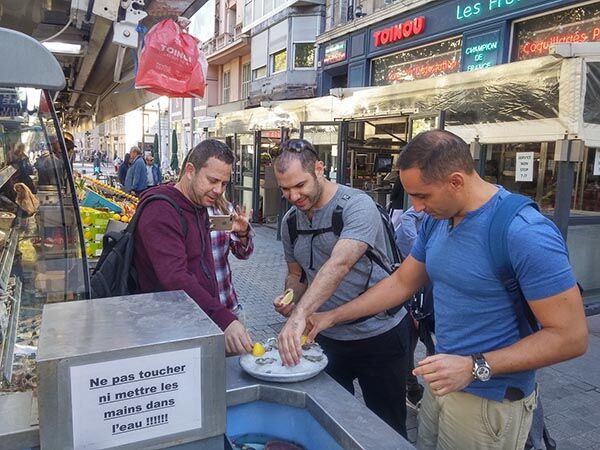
<point x="461" y="421"/>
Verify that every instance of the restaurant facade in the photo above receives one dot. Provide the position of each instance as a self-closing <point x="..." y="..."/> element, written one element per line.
<point x="502" y="74"/>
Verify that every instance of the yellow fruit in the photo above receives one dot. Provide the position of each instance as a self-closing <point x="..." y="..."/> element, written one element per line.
<point x="116" y="216"/>
<point x="125" y="219"/>
<point x="88" y="235"/>
<point x="303" y="339"/>
<point x="258" y="349"/>
<point x="288" y="297"/>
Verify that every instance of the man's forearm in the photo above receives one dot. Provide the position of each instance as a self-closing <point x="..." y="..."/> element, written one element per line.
<point x="322" y="287"/>
<point x="544" y="348"/>
<point x="385" y="295"/>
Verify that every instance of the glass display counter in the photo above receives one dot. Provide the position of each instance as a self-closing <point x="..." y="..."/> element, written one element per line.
<point x="42" y="259"/>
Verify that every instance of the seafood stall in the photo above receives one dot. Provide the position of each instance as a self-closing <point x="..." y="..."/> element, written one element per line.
<point x="41" y="253"/>
<point x="146" y="371"/>
<point x="155" y="376"/>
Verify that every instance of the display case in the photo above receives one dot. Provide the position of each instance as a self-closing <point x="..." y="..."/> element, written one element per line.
<point x="42" y="259"/>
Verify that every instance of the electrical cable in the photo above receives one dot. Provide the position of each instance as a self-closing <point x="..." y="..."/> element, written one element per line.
<point x="60" y="32"/>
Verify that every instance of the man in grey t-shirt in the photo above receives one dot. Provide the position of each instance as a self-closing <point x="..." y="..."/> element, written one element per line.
<point x="372" y="350"/>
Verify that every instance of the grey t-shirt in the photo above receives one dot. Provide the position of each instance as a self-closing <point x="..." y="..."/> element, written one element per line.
<point x="361" y="223"/>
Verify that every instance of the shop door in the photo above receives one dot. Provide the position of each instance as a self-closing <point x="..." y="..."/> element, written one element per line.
<point x="243" y="171"/>
<point x="373" y="144"/>
<point x="268" y="192"/>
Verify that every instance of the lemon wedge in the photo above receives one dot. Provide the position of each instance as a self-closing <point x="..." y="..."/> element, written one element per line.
<point x="288" y="297"/>
<point x="258" y="349"/>
<point x="303" y="339"/>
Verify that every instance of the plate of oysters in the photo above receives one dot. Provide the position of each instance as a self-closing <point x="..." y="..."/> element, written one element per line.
<point x="265" y="363"/>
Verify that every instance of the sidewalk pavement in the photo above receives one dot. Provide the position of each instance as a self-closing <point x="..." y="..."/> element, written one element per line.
<point x="570" y="390"/>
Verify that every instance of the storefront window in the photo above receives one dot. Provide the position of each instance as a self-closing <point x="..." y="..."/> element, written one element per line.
<point x="535" y="36"/>
<point x="304" y="56"/>
<point x="502" y="167"/>
<point x="588" y="189"/>
<point x="279" y="61"/>
<point x="42" y="256"/>
<point x="429" y="61"/>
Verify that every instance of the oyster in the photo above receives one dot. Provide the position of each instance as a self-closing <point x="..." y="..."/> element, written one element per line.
<point x="313" y="358"/>
<point x="264" y="361"/>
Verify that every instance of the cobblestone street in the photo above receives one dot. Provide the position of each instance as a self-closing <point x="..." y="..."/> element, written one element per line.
<point x="570" y="390"/>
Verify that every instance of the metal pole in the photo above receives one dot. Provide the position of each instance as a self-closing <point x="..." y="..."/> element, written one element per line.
<point x="564" y="188"/>
<point x="159" y="136"/>
<point x="143" y="130"/>
<point x="256" y="177"/>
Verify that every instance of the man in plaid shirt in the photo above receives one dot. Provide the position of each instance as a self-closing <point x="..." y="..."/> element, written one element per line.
<point x="238" y="242"/>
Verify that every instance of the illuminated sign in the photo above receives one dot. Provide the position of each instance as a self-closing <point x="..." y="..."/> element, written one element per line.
<point x="335" y="53"/>
<point x="440" y="58"/>
<point x="481" y="51"/>
<point x="534" y="37"/>
<point x="399" y="31"/>
<point x="476" y="9"/>
<point x="433" y="68"/>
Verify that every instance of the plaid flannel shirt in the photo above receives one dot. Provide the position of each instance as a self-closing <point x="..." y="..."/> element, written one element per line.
<point x="222" y="242"/>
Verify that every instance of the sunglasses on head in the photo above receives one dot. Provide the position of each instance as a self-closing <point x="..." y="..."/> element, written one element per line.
<point x="298" y="146"/>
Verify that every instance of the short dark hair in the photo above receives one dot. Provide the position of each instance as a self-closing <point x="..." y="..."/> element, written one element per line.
<point x="296" y="150"/>
<point x="437" y="154"/>
<point x="209" y="148"/>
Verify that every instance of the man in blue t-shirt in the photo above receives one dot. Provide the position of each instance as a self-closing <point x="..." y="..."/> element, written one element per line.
<point x="480" y="383"/>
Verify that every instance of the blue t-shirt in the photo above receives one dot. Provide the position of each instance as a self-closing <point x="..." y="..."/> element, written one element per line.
<point x="473" y="311"/>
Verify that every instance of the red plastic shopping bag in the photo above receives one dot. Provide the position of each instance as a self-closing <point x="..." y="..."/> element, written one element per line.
<point x="171" y="63"/>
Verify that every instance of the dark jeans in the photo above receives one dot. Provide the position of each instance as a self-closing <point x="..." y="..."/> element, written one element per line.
<point x="380" y="363"/>
<point x="412" y="384"/>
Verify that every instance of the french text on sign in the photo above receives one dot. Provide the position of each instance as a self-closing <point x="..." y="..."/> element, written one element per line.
<point x="135" y="399"/>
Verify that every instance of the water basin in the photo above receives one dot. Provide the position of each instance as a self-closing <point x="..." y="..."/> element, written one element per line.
<point x="275" y="421"/>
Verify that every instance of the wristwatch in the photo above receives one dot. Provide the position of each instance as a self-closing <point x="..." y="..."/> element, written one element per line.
<point x="481" y="369"/>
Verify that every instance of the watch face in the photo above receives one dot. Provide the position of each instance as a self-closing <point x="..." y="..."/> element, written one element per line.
<point x="482" y="373"/>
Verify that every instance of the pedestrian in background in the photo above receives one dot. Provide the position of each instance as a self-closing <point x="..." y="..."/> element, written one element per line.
<point x="420" y="306"/>
<point x="153" y="174"/>
<point x="23" y="168"/>
<point x="123" y="168"/>
<point x="136" y="179"/>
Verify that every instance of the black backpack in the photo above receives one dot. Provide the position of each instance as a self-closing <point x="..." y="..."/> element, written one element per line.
<point x="115" y="274"/>
<point x="337" y="224"/>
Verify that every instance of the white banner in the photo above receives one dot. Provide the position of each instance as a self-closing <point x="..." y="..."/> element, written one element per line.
<point x="524" y="166"/>
<point x="135" y="399"/>
<point x="597" y="162"/>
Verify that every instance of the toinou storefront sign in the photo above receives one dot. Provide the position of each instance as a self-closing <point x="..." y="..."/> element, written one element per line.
<point x="135" y="399"/>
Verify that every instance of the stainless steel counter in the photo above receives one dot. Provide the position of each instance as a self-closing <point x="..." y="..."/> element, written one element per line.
<point x="341" y="415"/>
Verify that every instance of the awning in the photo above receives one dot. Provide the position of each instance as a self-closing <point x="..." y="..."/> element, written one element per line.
<point x="541" y="99"/>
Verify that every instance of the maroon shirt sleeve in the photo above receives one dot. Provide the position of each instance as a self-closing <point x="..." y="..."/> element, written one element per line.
<point x="164" y="242"/>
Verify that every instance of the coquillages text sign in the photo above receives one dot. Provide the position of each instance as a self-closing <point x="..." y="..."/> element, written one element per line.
<point x="135" y="399"/>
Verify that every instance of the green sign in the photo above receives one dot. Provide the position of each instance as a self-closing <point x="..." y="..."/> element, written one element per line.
<point x="474" y="10"/>
<point x="481" y="51"/>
